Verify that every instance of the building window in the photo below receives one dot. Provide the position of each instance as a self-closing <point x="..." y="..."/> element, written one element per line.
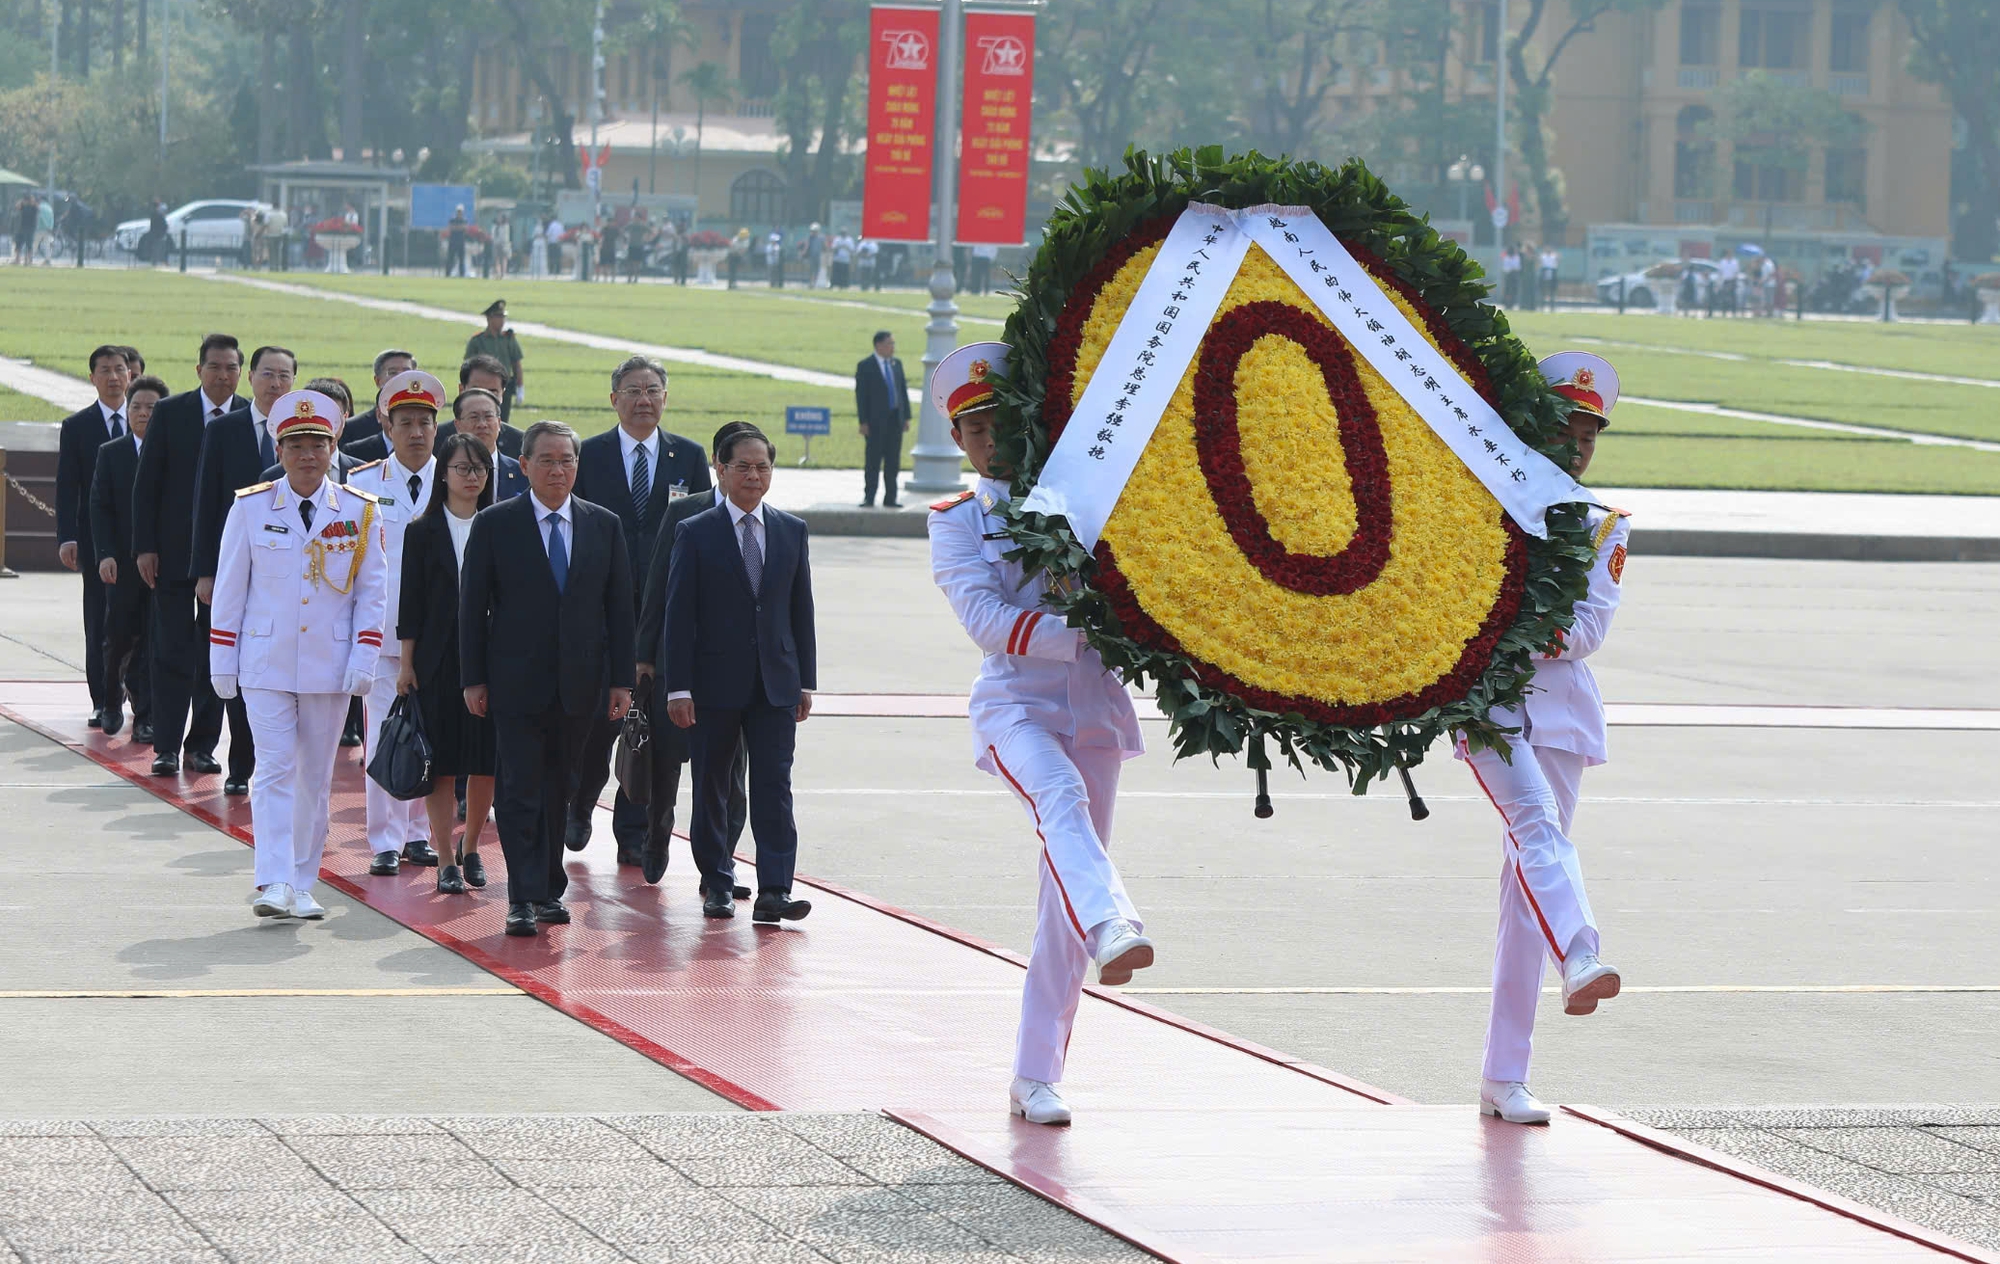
<point x="1694" y="153"/>
<point x="1701" y="34"/>
<point x="1847" y="176"/>
<point x="1849" y="52"/>
<point x="757" y="73"/>
<point x="1775" y="39"/>
<point x="757" y="197"/>
<point x="1772" y="183"/>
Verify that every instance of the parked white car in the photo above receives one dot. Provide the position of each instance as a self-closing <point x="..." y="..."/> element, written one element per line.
<point x="1644" y="287"/>
<point x="213" y="225"/>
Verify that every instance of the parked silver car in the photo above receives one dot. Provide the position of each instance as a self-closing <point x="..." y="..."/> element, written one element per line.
<point x="213" y="225"/>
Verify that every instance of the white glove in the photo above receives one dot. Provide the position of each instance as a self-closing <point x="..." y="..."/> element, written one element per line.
<point x="225" y="686"/>
<point x="520" y="394"/>
<point x="357" y="682"/>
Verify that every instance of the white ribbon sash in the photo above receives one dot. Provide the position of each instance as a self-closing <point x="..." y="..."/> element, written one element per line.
<point x="1162" y="330"/>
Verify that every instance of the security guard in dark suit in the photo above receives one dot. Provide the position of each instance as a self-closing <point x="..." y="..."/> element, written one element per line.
<point x="882" y="402"/>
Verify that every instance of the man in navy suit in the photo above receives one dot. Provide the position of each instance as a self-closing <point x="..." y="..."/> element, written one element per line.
<point x="83" y="433"/>
<point x="187" y="716"/>
<point x="545" y="634"/>
<point x="128" y="606"/>
<point x="740" y="666"/>
<point x="367" y="425"/>
<point x="635" y="469"/>
<point x="476" y="411"/>
<point x="882" y="401"/>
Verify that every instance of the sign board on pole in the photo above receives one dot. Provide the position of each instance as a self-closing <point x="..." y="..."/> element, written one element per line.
<point x="994" y="125"/>
<point x="808" y="421"/>
<point x="1499" y="217"/>
<point x="902" y="116"/>
<point x="431" y="205"/>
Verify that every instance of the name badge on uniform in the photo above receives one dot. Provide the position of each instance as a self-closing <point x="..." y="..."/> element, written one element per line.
<point x="278" y="527"/>
<point x="387" y="500"/>
<point x="676" y="490"/>
<point x="995" y="535"/>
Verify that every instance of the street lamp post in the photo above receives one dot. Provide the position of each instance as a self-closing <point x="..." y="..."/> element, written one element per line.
<point x="593" y="242"/>
<point x="1463" y="173"/>
<point x="935" y="460"/>
<point x="1500" y="134"/>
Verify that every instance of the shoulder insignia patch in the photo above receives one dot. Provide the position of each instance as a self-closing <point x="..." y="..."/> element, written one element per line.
<point x="951" y="502"/>
<point x="363" y="469"/>
<point x="254" y="488"/>
<point x="1617" y="565"/>
<point x="367" y="496"/>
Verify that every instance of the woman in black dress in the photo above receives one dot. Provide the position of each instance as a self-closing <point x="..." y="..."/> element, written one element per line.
<point x="427" y="625"/>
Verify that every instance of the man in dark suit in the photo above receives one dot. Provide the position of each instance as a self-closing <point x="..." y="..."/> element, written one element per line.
<point x="481" y="372"/>
<point x="127" y="604"/>
<point x="367" y="425"/>
<point x="882" y="401"/>
<point x="235" y="452"/>
<point x="636" y="470"/>
<point x="163" y="499"/>
<point x="669" y="747"/>
<point x="741" y="665"/>
<point x="476" y="411"/>
<point x="545" y="632"/>
<point x="83" y="433"/>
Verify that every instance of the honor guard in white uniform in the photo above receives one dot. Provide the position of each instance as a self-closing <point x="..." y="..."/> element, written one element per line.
<point x="297" y="624"/>
<point x="1544" y="913"/>
<point x="401" y="485"/>
<point x="1050" y="720"/>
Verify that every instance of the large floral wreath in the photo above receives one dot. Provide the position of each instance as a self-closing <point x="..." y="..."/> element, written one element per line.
<point x="1297" y="556"/>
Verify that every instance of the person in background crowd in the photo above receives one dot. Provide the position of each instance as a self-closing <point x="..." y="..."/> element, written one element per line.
<point x="300" y="549"/>
<point x="128" y="606"/>
<point x="276" y="225"/>
<point x="24" y="229"/>
<point x="843" y="260"/>
<point x="187" y="716"/>
<point x="774" y="258"/>
<point x="636" y="470"/>
<point x="1529" y="296"/>
<point x="476" y="411"/>
<point x="135" y="362"/>
<point x="501" y="248"/>
<point x="500" y="343"/>
<point x="638" y="233"/>
<point x="153" y="248"/>
<point x="1727" y="273"/>
<point x="483" y="372"/>
<point x="882" y="402"/>
<point x="1550" y="266"/>
<point x="545" y="631"/>
<point x="813" y="251"/>
<point x="388" y="364"/>
<point x="83" y="434"/>
<point x="454" y="259"/>
<point x="865" y="256"/>
<point x="1510" y="276"/>
<point x="982" y="267"/>
<point x="45" y="231"/>
<point x="427" y="626"/>
<point x="538" y="251"/>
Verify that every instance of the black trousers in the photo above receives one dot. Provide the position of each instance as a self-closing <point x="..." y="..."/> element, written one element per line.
<point x="506" y="399"/>
<point x="593" y="771"/>
<point x="766" y="736"/>
<point x="885" y="457"/>
<point x="93" y="632"/>
<point x="531" y="803"/>
<point x="670" y="751"/>
<point x="128" y="612"/>
<point x="186" y="713"/>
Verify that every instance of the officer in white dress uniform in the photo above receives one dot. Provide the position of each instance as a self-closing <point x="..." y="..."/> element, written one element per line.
<point x="1052" y="722"/>
<point x="302" y="548"/>
<point x="1544" y="913"/>
<point x="401" y="485"/>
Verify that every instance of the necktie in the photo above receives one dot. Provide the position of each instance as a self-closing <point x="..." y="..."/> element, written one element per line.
<point x="117" y="424"/>
<point x="306" y="513"/>
<point x="416" y="489"/>
<point x="265" y="448"/>
<point x="889" y="381"/>
<point x="558" y="552"/>
<point x="642" y="483"/>
<point x="213" y="413"/>
<point x="753" y="557"/>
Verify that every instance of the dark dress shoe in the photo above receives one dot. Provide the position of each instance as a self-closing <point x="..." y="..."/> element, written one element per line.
<point x="418" y="852"/>
<point x="892" y="504"/>
<point x="112" y="719"/>
<point x="717" y="904"/>
<point x="576" y="834"/>
<point x="95" y="720"/>
<point x="461" y="811"/>
<point x="521" y="920"/>
<point x="775" y="906"/>
<point x="142" y="734"/>
<point x="351" y="735"/>
<point x="166" y="765"/>
<point x="551" y="911"/>
<point x="235" y="786"/>
<point x="449" y="882"/>
<point x="626" y="856"/>
<point x="385" y="865"/>
<point x="867" y="504"/>
<point x="474" y="870"/>
<point x="203" y="761"/>
<point x="653" y="861"/>
<point x="741" y="893"/>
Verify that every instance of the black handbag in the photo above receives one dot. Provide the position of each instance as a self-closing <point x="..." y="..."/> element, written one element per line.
<point x="402" y="762"/>
<point x="633" y="763"/>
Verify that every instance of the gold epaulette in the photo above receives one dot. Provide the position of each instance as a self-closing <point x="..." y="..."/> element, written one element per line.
<point x="370" y="497"/>
<point x="361" y="469"/>
<point x="1605" y="528"/>
<point x="254" y="488"/>
<point x="951" y="503"/>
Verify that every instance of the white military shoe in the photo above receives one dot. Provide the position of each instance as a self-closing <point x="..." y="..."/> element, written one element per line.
<point x="1120" y="951"/>
<point x="1512" y="1102"/>
<point x="1036" y="1102"/>
<point x="1586" y="981"/>
<point x="274" y="900"/>
<point x="303" y="905"/>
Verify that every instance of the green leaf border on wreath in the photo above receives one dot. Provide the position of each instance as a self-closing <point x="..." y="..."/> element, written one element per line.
<point x="1358" y="207"/>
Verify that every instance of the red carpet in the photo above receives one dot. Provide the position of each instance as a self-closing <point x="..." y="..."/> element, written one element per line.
<point x="1190" y="1143"/>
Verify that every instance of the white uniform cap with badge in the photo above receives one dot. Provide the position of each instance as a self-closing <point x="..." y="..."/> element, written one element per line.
<point x="304" y="413"/>
<point x="411" y="386"/>
<point x="1587" y="381"/>
<point x="960" y="383"/>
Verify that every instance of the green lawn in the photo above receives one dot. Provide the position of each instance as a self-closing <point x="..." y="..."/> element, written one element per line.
<point x="15" y="406"/>
<point x="55" y="317"/>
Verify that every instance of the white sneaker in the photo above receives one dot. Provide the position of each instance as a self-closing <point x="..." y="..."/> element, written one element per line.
<point x="273" y="901"/>
<point x="1120" y="951"/>
<point x="303" y="905"/>
<point x="1036" y="1102"/>
<point x="1586" y="981"/>
<point x="1512" y="1102"/>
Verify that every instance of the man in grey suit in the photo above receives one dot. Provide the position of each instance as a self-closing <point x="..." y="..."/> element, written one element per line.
<point x="669" y="745"/>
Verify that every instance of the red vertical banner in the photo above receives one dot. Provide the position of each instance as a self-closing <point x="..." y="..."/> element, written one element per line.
<point x="902" y="122"/>
<point x="993" y="159"/>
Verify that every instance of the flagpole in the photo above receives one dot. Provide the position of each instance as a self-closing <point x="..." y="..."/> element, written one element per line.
<point x="934" y="465"/>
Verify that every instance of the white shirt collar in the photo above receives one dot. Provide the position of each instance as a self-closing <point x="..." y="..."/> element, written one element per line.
<point x="737" y="515"/>
<point x="107" y="410"/>
<point x="401" y="473"/>
<point x="261" y="420"/>
<point x="542" y="511"/>
<point x="210" y="406"/>
<point x="626" y="443"/>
